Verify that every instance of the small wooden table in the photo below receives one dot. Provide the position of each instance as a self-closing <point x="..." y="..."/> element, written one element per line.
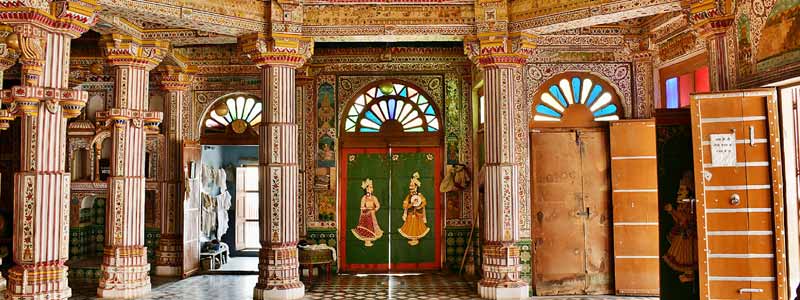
<point x="315" y="259"/>
<point x="222" y="254"/>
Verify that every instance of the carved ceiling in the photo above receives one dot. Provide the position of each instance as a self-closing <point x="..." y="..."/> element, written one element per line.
<point x="188" y="22"/>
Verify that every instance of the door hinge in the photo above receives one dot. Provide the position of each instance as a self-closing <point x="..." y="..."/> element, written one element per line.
<point x="585" y="213"/>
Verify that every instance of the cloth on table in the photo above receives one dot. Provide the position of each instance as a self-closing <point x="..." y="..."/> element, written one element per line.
<point x="220" y="180"/>
<point x="320" y="247"/>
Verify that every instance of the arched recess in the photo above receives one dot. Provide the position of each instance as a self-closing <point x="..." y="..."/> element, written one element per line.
<point x="391" y="112"/>
<point x="231" y="119"/>
<point x="575" y="99"/>
<point x="391" y="151"/>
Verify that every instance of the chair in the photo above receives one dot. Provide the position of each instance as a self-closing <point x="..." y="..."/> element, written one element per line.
<point x="315" y="259"/>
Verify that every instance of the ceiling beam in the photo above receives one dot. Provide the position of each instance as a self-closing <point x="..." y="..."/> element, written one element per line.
<point x="612" y="12"/>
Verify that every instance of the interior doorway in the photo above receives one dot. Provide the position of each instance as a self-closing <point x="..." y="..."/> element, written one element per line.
<point x="229" y="185"/>
<point x="570" y="200"/>
<point x="391" y="166"/>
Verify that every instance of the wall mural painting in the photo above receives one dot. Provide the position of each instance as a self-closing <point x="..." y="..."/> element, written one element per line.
<point x="744" y="55"/>
<point x="368" y="229"/>
<point x="682" y="253"/>
<point x="326" y="157"/>
<point x="778" y="44"/>
<point x="326" y="205"/>
<point x="326" y="112"/>
<point x="415" y="223"/>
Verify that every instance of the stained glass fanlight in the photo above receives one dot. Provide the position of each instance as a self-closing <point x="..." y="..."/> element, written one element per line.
<point x="392" y="102"/>
<point x="239" y="113"/>
<point x="558" y="97"/>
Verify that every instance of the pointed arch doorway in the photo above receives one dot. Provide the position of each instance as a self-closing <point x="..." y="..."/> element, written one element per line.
<point x="389" y="204"/>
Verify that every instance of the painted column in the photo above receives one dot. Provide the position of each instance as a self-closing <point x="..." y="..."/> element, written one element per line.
<point x="8" y="57"/>
<point x="43" y="102"/>
<point x="501" y="261"/>
<point x="502" y="59"/>
<point x="278" y="57"/>
<point x="125" y="268"/>
<point x="642" y="57"/>
<point x="169" y="255"/>
<point x="711" y="20"/>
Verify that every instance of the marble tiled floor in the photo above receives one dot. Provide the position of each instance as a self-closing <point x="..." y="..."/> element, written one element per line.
<point x="355" y="287"/>
<point x="241" y="263"/>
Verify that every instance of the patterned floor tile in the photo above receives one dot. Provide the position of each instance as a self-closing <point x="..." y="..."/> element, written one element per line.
<point x="344" y="287"/>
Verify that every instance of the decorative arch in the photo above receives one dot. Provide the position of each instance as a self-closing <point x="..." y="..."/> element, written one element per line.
<point x="231" y="119"/>
<point x="575" y="99"/>
<point x="391" y="105"/>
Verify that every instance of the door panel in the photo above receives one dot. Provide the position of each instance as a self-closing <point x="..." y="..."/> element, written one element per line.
<point x="558" y="231"/>
<point x="390" y="173"/>
<point x="423" y="253"/>
<point x="191" y="208"/>
<point x="636" y="210"/>
<point x="596" y="200"/>
<point x="742" y="254"/>
<point x="362" y="165"/>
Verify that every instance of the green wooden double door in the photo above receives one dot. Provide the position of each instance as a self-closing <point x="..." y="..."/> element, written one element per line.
<point x="390" y="214"/>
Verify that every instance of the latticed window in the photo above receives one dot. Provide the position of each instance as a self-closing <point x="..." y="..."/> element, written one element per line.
<point x="238" y="112"/>
<point x="576" y="91"/>
<point x="394" y="105"/>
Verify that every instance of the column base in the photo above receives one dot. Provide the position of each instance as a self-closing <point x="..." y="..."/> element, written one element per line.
<point x="279" y="294"/>
<point x="125" y="273"/>
<point x="170" y="271"/>
<point x="169" y="256"/>
<point x="515" y="290"/>
<point x="38" y="283"/>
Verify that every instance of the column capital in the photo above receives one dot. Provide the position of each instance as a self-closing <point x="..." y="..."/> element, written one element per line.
<point x="173" y="78"/>
<point x="9" y="47"/>
<point x="124" y="50"/>
<point x="498" y="49"/>
<point x="284" y="49"/>
<point x="69" y="17"/>
<point x="710" y="17"/>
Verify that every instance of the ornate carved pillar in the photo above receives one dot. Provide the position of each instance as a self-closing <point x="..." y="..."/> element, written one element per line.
<point x="278" y="57"/>
<point x="169" y="255"/>
<point x="125" y="268"/>
<point x="711" y="23"/>
<point x="43" y="102"/>
<point x="503" y="90"/>
<point x="643" y="57"/>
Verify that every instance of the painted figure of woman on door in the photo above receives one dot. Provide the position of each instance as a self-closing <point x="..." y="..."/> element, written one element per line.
<point x="682" y="253"/>
<point x="368" y="229"/>
<point x="414" y="227"/>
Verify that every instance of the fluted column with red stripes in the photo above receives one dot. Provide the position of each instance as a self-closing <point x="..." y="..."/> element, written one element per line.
<point x="43" y="102"/>
<point x="169" y="254"/>
<point x="278" y="156"/>
<point x="711" y="20"/>
<point x="125" y="268"/>
<point x="502" y="73"/>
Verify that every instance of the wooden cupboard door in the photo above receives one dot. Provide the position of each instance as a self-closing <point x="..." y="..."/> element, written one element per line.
<point x="739" y="200"/>
<point x="634" y="180"/>
<point x="558" y="231"/>
<point x="593" y="144"/>
<point x="191" y="208"/>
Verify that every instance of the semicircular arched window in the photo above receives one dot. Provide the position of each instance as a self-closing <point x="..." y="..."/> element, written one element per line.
<point x="239" y="113"/>
<point x="392" y="105"/>
<point x="558" y="97"/>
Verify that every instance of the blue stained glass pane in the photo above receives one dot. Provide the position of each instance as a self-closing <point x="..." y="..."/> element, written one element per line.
<point x="367" y="129"/>
<point x="557" y="92"/>
<point x="576" y="89"/>
<point x="372" y="117"/>
<point x="415" y="129"/>
<point x="606" y="110"/>
<point x="547" y="111"/>
<point x="380" y="93"/>
<point x="429" y="110"/>
<point x="392" y="104"/>
<point x="672" y="92"/>
<point x="431" y="129"/>
<point x="593" y="95"/>
<point x="404" y="92"/>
